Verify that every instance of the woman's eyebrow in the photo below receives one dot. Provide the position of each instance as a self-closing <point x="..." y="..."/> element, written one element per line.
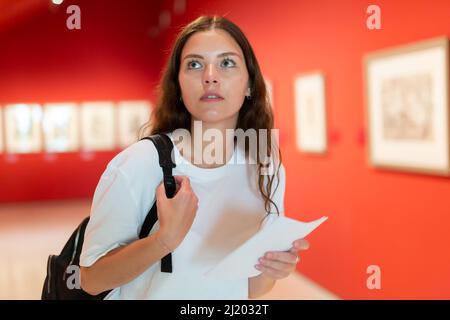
<point x="230" y="53"/>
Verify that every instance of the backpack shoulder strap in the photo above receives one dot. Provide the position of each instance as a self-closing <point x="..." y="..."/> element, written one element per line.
<point x="164" y="146"/>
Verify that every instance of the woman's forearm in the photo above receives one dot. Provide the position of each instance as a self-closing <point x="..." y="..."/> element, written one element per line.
<point x="122" y="265"/>
<point x="259" y="285"/>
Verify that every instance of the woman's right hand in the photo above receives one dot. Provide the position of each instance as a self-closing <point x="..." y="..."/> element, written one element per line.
<point x="177" y="214"/>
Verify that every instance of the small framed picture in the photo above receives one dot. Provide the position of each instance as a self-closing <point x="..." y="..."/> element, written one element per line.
<point x="132" y="115"/>
<point x="1" y="130"/>
<point x="408" y="107"/>
<point x="269" y="88"/>
<point x="97" y="126"/>
<point x="60" y="125"/>
<point x="310" y="113"/>
<point x="23" y="128"/>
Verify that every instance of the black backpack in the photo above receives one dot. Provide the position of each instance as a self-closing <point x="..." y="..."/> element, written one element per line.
<point x="59" y="282"/>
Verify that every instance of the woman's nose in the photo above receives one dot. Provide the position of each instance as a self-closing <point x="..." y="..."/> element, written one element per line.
<point x="210" y="75"/>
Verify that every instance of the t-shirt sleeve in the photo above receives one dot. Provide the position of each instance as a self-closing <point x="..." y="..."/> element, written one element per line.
<point x="122" y="198"/>
<point x="113" y="221"/>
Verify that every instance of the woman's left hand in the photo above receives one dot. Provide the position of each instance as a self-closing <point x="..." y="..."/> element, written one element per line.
<point x="280" y="264"/>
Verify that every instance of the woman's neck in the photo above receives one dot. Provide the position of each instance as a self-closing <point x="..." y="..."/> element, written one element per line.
<point x="211" y="145"/>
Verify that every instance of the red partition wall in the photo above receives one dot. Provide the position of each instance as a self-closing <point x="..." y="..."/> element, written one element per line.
<point x="113" y="57"/>
<point x="397" y="221"/>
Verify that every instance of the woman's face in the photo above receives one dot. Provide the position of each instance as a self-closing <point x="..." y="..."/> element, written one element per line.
<point x="213" y="77"/>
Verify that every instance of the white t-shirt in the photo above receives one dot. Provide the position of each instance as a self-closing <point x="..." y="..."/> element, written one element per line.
<point x="230" y="211"/>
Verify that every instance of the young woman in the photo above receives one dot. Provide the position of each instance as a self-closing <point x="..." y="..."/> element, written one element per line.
<point x="212" y="82"/>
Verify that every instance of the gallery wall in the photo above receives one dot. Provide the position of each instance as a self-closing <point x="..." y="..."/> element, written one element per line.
<point x="394" y="220"/>
<point x="113" y="57"/>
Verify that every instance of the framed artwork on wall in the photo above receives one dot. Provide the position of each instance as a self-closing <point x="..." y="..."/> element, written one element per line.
<point x="97" y="126"/>
<point x="269" y="88"/>
<point x="1" y="130"/>
<point x="132" y="115"/>
<point x="61" y="127"/>
<point x="310" y="113"/>
<point x="408" y="107"/>
<point x="23" y="128"/>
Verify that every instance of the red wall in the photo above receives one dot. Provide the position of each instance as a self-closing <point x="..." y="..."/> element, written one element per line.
<point x="395" y="220"/>
<point x="111" y="58"/>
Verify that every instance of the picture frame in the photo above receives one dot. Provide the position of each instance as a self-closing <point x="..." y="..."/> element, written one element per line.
<point x="1" y="130"/>
<point x="98" y="126"/>
<point x="60" y="125"/>
<point x="310" y="112"/>
<point x="269" y="88"/>
<point x="132" y="115"/>
<point x="407" y="107"/>
<point x="23" y="128"/>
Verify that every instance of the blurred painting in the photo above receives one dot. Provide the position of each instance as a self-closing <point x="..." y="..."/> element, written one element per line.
<point x="132" y="115"/>
<point x="97" y="126"/>
<point x="23" y="128"/>
<point x="269" y="88"/>
<point x="407" y="107"/>
<point x="310" y="113"/>
<point x="60" y="124"/>
<point x="1" y="130"/>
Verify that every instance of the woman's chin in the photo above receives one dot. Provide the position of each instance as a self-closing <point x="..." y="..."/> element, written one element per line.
<point x="212" y="117"/>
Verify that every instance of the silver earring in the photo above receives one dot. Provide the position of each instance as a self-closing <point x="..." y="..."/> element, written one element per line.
<point x="248" y="97"/>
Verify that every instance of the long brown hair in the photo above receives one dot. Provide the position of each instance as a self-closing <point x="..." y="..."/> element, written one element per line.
<point x="256" y="113"/>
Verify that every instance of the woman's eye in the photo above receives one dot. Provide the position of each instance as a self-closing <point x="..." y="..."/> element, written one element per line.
<point x="193" y="64"/>
<point x="228" y="63"/>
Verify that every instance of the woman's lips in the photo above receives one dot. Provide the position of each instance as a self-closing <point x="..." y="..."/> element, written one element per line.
<point x="211" y="99"/>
